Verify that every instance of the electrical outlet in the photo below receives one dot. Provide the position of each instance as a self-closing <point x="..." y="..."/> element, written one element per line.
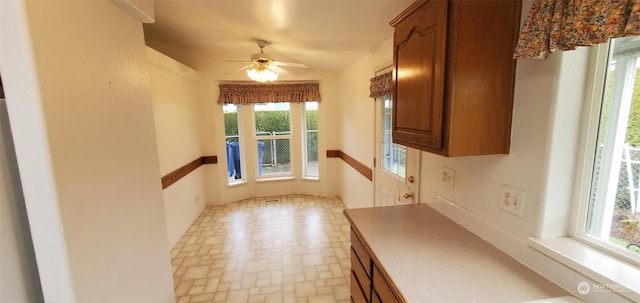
<point x="512" y="200"/>
<point x="448" y="177"/>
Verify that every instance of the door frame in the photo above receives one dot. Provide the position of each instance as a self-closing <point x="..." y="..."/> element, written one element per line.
<point x="403" y="186"/>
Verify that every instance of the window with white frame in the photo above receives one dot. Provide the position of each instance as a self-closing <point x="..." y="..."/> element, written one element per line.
<point x="272" y="125"/>
<point x="310" y="168"/>
<point x="273" y="139"/>
<point x="609" y="210"/>
<point x="232" y="138"/>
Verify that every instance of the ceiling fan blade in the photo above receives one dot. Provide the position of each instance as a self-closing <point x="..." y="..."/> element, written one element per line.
<point x="239" y="69"/>
<point x="290" y="64"/>
<point x="243" y="61"/>
<point x="280" y="70"/>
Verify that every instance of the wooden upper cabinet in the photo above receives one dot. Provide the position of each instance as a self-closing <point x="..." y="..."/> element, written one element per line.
<point x="454" y="76"/>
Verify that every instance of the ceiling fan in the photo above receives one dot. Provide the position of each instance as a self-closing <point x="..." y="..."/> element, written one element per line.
<point x="262" y="67"/>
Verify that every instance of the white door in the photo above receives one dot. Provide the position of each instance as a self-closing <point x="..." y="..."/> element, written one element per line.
<point x="397" y="168"/>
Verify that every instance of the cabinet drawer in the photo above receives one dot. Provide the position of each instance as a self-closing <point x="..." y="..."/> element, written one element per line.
<point x="382" y="288"/>
<point x="357" y="296"/>
<point x="362" y="253"/>
<point x="358" y="270"/>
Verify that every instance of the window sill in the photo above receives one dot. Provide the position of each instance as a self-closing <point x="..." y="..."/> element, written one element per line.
<point x="237" y="183"/>
<point x="284" y="178"/>
<point x="615" y="274"/>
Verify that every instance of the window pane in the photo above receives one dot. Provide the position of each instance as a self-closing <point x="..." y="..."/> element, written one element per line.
<point x="311" y="139"/>
<point x="234" y="170"/>
<point x="274" y="158"/>
<point x="273" y="132"/>
<point x="272" y="119"/>
<point x="613" y="212"/>
<point x="393" y="155"/>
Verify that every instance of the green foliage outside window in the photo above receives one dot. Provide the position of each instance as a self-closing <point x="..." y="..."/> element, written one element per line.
<point x="269" y="121"/>
<point x="272" y="121"/>
<point x="633" y="128"/>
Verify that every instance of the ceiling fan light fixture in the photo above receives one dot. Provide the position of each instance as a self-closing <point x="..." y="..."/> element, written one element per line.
<point x="262" y="74"/>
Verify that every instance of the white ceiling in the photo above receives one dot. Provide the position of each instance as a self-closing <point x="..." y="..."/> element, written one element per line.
<point x="324" y="34"/>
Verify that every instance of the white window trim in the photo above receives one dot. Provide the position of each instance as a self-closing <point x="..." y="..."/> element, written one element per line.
<point x="305" y="155"/>
<point x="590" y="127"/>
<point x="273" y="176"/>
<point x="588" y="140"/>
<point x="575" y="251"/>
<point x="240" y="127"/>
<point x="296" y="137"/>
<point x="618" y="276"/>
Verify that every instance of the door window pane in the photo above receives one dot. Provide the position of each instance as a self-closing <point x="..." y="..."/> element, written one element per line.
<point x="393" y="155"/>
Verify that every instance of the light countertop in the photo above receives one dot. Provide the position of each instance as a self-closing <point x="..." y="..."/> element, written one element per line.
<point x="430" y="258"/>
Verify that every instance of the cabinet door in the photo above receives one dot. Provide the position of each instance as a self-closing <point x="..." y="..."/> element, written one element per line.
<point x="357" y="294"/>
<point x="381" y="288"/>
<point x="419" y="76"/>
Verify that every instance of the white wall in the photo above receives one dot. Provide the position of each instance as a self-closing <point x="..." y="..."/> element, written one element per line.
<point x="19" y="281"/>
<point x="478" y="179"/>
<point x="356" y="117"/>
<point x="175" y="91"/>
<point x="213" y="70"/>
<point x="79" y="101"/>
<point x="544" y="135"/>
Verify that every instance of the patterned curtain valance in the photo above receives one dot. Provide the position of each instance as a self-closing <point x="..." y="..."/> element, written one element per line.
<point x="262" y="93"/>
<point x="380" y="85"/>
<point x="566" y="24"/>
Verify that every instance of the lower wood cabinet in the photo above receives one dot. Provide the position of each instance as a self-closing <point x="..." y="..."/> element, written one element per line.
<point x="368" y="283"/>
<point x="382" y="288"/>
<point x="357" y="293"/>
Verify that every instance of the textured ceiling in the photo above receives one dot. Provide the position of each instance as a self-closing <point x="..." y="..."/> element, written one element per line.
<point x="323" y="34"/>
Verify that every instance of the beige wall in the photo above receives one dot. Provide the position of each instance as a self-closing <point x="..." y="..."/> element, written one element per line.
<point x="356" y="117"/>
<point x="176" y="98"/>
<point x="79" y="102"/>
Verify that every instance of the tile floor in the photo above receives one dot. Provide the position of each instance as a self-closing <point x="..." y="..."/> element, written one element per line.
<point x="293" y="250"/>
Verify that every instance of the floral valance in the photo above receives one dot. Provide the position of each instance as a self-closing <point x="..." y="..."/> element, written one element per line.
<point x="566" y="24"/>
<point x="380" y="85"/>
<point x="236" y="93"/>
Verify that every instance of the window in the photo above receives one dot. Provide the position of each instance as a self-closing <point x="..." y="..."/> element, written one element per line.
<point x="272" y="125"/>
<point x="609" y="215"/>
<point x="394" y="156"/>
<point x="272" y="134"/>
<point x="232" y="137"/>
<point x="310" y="168"/>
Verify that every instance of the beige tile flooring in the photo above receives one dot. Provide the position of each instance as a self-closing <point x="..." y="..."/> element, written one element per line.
<point x="293" y="250"/>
